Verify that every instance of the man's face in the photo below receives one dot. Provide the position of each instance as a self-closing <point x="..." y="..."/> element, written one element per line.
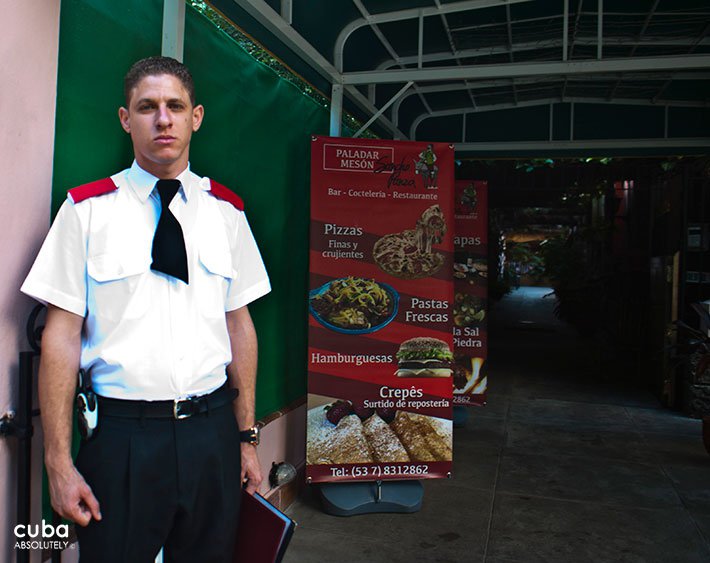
<point x="160" y="119"/>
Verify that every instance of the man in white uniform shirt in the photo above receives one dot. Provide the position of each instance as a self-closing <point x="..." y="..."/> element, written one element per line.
<point x="147" y="276"/>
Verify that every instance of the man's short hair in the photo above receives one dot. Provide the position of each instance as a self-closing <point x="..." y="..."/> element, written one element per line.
<point x="155" y="66"/>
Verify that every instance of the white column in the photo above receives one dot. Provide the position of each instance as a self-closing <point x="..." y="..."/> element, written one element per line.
<point x="336" y="110"/>
<point x="173" y="43"/>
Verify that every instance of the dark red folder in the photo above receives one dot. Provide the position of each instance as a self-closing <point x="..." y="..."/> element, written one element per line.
<point x="264" y="531"/>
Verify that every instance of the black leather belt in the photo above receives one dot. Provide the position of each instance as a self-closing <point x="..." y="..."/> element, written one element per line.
<point x="177" y="409"/>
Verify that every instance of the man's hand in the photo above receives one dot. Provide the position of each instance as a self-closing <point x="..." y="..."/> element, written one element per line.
<point x="71" y="497"/>
<point x="251" y="470"/>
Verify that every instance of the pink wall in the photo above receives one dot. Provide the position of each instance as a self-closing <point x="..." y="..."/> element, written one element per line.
<point x="28" y="83"/>
<point x="283" y="439"/>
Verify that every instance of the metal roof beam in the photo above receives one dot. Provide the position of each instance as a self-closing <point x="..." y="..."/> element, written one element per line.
<point x="547" y="101"/>
<point x="272" y="21"/>
<point x="549" y="82"/>
<point x="537" y="45"/>
<point x="365" y="105"/>
<point x="578" y="15"/>
<point x="386" y="44"/>
<point x="382" y="109"/>
<point x="660" y="143"/>
<point x="641" y="33"/>
<point x="452" y="46"/>
<point x="451" y="8"/>
<point x="287" y="11"/>
<point x="623" y="102"/>
<point x="678" y="14"/>
<point x="565" y="34"/>
<point x="702" y="35"/>
<point x="504" y="82"/>
<point x="502" y="23"/>
<point x="529" y="69"/>
<point x="600" y="26"/>
<point x="376" y="30"/>
<point x="438" y="88"/>
<point x="644" y="27"/>
<point x="420" y="42"/>
<point x="401" y="15"/>
<point x="575" y="29"/>
<point x="510" y="46"/>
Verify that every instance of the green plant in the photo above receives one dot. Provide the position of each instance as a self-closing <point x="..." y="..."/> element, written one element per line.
<point x="500" y="285"/>
<point x="526" y="258"/>
<point x="579" y="289"/>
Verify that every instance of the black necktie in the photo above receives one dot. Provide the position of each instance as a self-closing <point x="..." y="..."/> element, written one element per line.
<point x="169" y="255"/>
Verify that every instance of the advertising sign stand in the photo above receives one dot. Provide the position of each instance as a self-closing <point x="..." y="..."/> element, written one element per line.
<point x="470" y="296"/>
<point x="380" y="327"/>
<point x="369" y="497"/>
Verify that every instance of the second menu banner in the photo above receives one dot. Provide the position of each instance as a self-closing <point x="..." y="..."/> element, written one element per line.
<point x="471" y="297"/>
<point x="380" y="354"/>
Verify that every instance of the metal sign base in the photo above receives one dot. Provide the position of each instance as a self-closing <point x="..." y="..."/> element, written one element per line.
<point x="369" y="497"/>
<point x="460" y="416"/>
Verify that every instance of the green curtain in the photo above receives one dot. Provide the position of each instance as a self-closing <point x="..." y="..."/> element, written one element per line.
<point x="255" y="139"/>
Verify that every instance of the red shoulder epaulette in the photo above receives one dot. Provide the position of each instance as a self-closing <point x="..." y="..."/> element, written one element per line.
<point x="92" y="189"/>
<point x="224" y="193"/>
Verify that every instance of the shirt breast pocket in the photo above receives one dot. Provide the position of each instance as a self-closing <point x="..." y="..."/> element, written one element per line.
<point x="116" y="286"/>
<point x="215" y="274"/>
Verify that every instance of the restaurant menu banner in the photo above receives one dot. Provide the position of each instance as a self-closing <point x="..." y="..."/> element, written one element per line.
<point x="470" y="292"/>
<point x="380" y="339"/>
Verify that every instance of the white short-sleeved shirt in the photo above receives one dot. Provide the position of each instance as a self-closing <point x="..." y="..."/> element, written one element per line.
<point x="146" y="335"/>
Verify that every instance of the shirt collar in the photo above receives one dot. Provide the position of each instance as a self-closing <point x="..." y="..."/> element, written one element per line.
<point x="143" y="182"/>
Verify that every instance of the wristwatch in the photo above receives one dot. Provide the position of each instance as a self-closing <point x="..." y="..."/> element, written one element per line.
<point x="250" y="436"/>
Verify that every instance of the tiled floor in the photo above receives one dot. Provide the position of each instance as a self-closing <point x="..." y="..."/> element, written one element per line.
<point x="563" y="465"/>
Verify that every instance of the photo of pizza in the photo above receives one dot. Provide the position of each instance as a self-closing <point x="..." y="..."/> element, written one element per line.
<point x="409" y="254"/>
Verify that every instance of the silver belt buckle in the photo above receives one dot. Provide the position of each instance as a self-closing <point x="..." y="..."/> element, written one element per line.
<point x="178" y="415"/>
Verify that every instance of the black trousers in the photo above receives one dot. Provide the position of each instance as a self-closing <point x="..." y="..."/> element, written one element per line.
<point x="163" y="483"/>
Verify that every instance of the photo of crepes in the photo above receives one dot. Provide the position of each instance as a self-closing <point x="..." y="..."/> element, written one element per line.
<point x="341" y="432"/>
<point x="409" y="254"/>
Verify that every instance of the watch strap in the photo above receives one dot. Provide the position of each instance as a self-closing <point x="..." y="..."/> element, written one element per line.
<point x="249" y="436"/>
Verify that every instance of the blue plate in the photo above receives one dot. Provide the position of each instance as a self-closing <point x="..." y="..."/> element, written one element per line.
<point x="394" y="296"/>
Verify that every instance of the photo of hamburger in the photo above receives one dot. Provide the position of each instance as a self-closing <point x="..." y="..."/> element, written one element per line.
<point x="424" y="357"/>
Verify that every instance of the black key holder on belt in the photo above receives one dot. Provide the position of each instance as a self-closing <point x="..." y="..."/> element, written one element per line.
<point x="87" y="407"/>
